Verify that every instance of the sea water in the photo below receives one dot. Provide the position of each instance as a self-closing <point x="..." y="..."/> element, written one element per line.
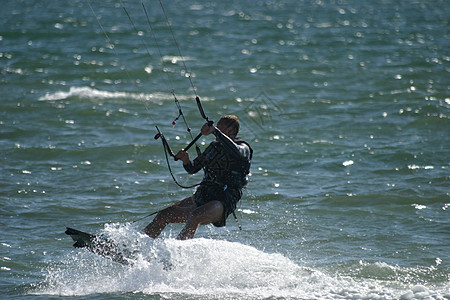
<point x="346" y="104"/>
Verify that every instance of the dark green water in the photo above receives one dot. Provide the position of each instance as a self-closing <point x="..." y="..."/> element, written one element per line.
<point x="346" y="104"/>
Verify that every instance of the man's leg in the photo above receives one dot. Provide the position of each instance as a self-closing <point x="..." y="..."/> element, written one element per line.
<point x="177" y="213"/>
<point x="210" y="212"/>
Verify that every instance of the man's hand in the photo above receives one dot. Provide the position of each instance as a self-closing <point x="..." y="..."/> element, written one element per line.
<point x="207" y="129"/>
<point x="183" y="156"/>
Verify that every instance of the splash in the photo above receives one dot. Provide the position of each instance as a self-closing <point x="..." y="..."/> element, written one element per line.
<point x="205" y="268"/>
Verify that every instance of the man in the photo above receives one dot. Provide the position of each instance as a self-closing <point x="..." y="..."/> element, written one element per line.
<point x="226" y="163"/>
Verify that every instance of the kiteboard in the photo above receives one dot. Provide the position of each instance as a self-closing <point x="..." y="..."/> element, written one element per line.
<point x="100" y="245"/>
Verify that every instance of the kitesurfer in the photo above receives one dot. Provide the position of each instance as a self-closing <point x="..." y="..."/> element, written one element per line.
<point x="226" y="163"/>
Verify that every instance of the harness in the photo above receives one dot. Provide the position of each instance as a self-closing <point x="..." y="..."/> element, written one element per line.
<point x="224" y="169"/>
<point x="237" y="176"/>
<point x="246" y="164"/>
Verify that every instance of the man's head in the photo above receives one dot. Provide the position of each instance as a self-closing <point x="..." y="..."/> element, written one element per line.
<point x="229" y="125"/>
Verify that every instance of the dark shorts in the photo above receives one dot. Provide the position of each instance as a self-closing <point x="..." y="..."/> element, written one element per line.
<point x="228" y="197"/>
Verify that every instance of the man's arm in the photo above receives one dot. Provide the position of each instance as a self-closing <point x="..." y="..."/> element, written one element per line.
<point x="190" y="166"/>
<point x="240" y="151"/>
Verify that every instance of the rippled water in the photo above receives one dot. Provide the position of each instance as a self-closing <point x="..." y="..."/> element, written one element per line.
<point x="345" y="103"/>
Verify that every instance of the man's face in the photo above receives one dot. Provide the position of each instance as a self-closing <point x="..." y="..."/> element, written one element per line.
<point x="227" y="130"/>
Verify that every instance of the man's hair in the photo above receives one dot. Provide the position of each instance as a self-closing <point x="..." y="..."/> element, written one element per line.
<point x="231" y="121"/>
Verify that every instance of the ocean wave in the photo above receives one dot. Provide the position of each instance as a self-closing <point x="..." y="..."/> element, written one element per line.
<point x="90" y="93"/>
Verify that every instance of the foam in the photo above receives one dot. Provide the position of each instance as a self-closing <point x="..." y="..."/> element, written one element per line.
<point x="209" y="268"/>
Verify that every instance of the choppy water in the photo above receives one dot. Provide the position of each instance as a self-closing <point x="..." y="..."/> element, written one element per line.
<point x="346" y="104"/>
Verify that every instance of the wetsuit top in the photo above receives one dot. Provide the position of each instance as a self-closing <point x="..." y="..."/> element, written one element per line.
<point x="225" y="161"/>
